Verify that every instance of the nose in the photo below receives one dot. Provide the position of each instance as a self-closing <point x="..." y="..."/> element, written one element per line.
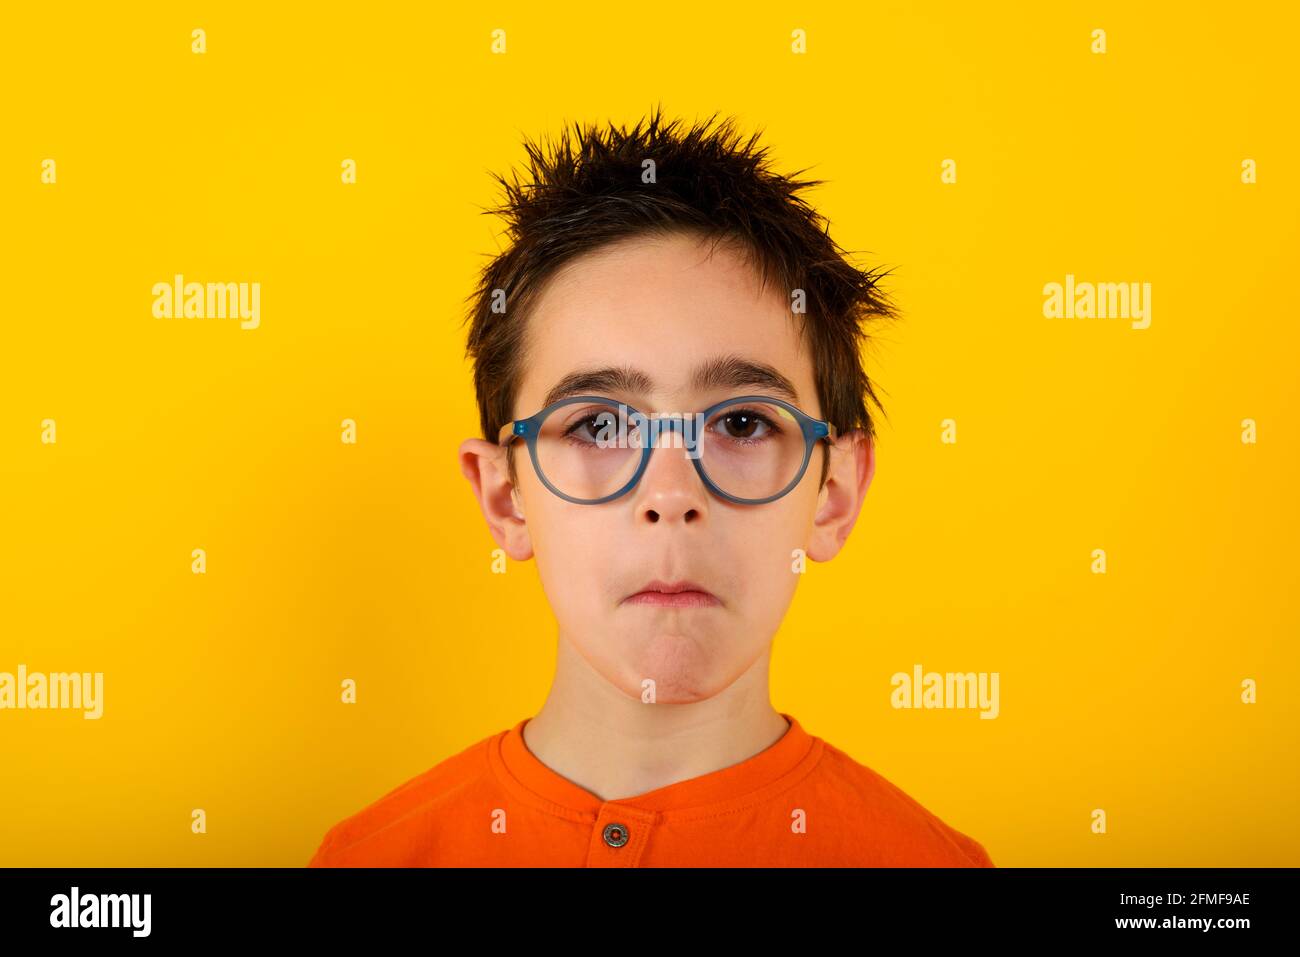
<point x="670" y="489"/>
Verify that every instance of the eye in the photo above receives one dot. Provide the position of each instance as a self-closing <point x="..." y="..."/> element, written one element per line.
<point x="588" y="428"/>
<point x="746" y="425"/>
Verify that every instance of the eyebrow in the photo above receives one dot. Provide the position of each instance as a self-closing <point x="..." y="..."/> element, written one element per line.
<point x="721" y="372"/>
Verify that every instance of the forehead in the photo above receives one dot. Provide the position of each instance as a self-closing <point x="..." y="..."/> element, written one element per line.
<point x="680" y="319"/>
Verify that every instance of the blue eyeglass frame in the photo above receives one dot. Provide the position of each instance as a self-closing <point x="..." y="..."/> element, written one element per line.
<point x="530" y="428"/>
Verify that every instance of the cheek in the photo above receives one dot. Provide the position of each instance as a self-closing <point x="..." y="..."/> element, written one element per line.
<point x="766" y="551"/>
<point x="573" y="558"/>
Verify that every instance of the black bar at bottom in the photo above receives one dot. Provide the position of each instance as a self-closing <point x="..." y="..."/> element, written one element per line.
<point x="638" y="909"/>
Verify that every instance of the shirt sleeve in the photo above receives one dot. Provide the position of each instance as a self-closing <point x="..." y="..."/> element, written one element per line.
<point x="975" y="850"/>
<point x="321" y="857"/>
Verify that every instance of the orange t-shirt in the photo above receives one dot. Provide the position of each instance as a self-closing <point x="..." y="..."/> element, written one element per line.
<point x="799" y="803"/>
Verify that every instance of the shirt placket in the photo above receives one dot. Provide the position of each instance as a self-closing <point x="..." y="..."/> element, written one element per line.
<point x="620" y="836"/>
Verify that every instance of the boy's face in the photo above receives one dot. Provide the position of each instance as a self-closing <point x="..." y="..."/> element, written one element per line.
<point x="664" y="306"/>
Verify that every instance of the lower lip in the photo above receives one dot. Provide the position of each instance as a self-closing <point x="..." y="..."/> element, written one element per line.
<point x="681" y="599"/>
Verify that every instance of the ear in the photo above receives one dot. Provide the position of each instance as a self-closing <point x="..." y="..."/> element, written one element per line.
<point x="852" y="466"/>
<point x="484" y="465"/>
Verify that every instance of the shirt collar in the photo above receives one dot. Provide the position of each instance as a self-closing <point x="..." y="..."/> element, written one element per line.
<point x="769" y="771"/>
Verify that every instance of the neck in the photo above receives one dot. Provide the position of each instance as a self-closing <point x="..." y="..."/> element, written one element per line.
<point x="616" y="746"/>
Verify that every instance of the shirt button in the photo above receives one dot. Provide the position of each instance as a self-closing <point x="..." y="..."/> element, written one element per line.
<point x="615" y="835"/>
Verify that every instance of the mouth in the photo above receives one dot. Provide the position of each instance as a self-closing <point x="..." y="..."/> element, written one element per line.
<point x="679" y="594"/>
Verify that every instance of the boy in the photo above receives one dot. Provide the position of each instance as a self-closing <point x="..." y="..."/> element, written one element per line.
<point x="655" y="278"/>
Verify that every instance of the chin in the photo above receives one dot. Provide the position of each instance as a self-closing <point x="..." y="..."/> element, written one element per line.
<point x="683" y="668"/>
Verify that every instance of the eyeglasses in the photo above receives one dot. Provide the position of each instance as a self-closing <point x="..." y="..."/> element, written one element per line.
<point x="590" y="449"/>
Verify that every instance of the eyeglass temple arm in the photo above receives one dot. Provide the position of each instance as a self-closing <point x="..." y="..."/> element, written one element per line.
<point x="508" y="432"/>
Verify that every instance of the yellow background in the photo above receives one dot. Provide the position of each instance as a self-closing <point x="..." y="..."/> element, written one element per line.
<point x="325" y="561"/>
